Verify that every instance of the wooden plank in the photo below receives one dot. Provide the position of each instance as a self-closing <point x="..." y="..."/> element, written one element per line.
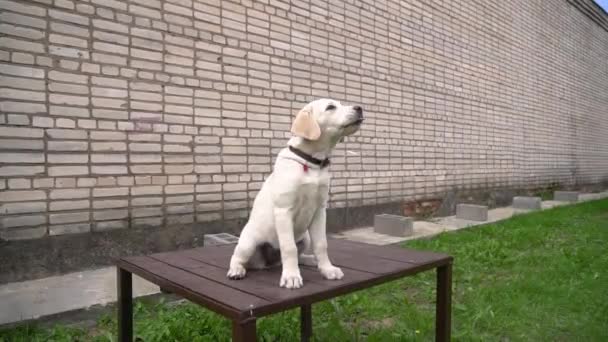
<point x="222" y="299"/>
<point x="263" y="283"/>
<point x="218" y="254"/>
<point x="365" y="263"/>
<point x="394" y="253"/>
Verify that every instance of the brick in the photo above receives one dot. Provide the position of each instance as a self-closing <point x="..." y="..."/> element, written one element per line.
<point x="109" y="59"/>
<point x="20" y="31"/>
<point x="146" y="201"/>
<point x="147" y="12"/>
<point x="69" y="205"/>
<point x="41" y="121"/>
<point x="71" y="158"/>
<point x="146" y="190"/>
<point x="67" y="77"/>
<point x="472" y="212"/>
<point x="21" y="158"/>
<point x="26" y="20"/>
<point x="69" y="52"/>
<point x="78" y="112"/>
<point x="110" y="26"/>
<point x="108" y="146"/>
<point x="22" y="195"/>
<point x="108" y="158"/>
<point x="20" y="171"/>
<point x="69" y="17"/>
<point x="21" y="94"/>
<point x="21" y="71"/>
<point x="66" y="134"/>
<point x="110" y="214"/>
<point x="110" y="192"/>
<point x="68" y="40"/>
<point x="109" y="92"/>
<point x="19" y="183"/>
<point x="22" y="57"/>
<point x="68" y="88"/>
<point x="110" y="225"/>
<point x="64" y="4"/>
<point x="23" y="83"/>
<point x="22" y="107"/>
<point x="146" y="169"/>
<point x="111" y="3"/>
<point x="62" y="218"/>
<point x="109" y="170"/>
<point x="69" y="29"/>
<point x="23" y="220"/>
<point x="66" y="123"/>
<point x="63" y="229"/>
<point x="16" y="6"/>
<point x="22" y="207"/>
<point x="69" y="100"/>
<point x="110" y="204"/>
<point x="57" y="171"/>
<point x="44" y="182"/>
<point x="68" y="146"/>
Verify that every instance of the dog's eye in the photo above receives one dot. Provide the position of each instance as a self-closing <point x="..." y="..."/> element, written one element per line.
<point x="330" y="107"/>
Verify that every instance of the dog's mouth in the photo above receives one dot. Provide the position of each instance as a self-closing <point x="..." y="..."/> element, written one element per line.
<point x="357" y="122"/>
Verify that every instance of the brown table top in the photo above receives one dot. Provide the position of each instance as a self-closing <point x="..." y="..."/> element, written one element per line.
<point x="200" y="275"/>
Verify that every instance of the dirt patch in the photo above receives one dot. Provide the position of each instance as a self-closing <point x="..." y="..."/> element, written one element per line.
<point x="385" y="323"/>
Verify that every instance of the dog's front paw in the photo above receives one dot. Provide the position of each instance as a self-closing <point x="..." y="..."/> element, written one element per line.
<point x="291" y="279"/>
<point x="236" y="272"/>
<point x="332" y="273"/>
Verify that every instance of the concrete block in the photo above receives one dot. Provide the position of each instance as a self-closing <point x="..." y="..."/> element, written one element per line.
<point x="393" y="225"/>
<point x="527" y="203"/>
<point x="472" y="212"/>
<point x="565" y="196"/>
<point x="219" y="239"/>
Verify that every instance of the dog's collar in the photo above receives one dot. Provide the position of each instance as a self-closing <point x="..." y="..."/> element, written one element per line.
<point x="322" y="163"/>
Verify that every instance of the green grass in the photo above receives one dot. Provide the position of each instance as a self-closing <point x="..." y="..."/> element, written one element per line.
<point x="535" y="277"/>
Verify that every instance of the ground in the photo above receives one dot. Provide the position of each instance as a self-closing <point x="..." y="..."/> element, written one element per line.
<point x="534" y="277"/>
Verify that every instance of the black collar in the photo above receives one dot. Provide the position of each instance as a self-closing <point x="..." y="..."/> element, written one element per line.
<point x="322" y="163"/>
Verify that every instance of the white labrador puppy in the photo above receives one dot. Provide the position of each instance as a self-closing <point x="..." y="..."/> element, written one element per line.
<point x="288" y="214"/>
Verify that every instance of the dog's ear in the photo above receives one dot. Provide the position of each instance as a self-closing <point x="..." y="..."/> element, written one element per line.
<point x="305" y="125"/>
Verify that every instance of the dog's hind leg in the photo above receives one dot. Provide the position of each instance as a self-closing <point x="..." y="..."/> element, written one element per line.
<point x="305" y="255"/>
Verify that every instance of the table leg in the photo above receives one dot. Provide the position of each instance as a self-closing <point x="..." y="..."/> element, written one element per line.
<point x="244" y="331"/>
<point x="125" y="305"/>
<point x="443" y="313"/>
<point x="305" y="323"/>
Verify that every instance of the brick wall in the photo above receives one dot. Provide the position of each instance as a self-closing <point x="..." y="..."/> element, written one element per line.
<point x="121" y="114"/>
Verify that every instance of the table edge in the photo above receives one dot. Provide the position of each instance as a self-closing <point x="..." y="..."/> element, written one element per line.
<point x="276" y="307"/>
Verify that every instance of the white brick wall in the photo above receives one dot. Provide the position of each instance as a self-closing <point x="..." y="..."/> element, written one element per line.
<point x="146" y="112"/>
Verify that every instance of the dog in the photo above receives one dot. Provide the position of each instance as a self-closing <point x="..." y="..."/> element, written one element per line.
<point x="288" y="218"/>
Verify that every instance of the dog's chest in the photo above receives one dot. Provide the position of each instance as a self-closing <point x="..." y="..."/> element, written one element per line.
<point x="311" y="195"/>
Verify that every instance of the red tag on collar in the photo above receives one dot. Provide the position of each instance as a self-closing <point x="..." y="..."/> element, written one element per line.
<point x="305" y="167"/>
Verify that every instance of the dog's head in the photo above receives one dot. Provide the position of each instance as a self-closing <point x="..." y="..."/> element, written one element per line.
<point x="327" y="120"/>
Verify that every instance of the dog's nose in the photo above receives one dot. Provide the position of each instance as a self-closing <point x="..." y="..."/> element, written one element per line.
<point x="358" y="110"/>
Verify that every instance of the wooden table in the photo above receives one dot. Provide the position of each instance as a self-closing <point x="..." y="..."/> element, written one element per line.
<point x="200" y="275"/>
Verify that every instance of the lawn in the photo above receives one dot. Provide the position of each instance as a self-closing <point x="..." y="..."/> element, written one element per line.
<point x="535" y="277"/>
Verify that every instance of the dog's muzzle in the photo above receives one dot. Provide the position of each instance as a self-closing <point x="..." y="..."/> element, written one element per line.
<point x="358" y="117"/>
